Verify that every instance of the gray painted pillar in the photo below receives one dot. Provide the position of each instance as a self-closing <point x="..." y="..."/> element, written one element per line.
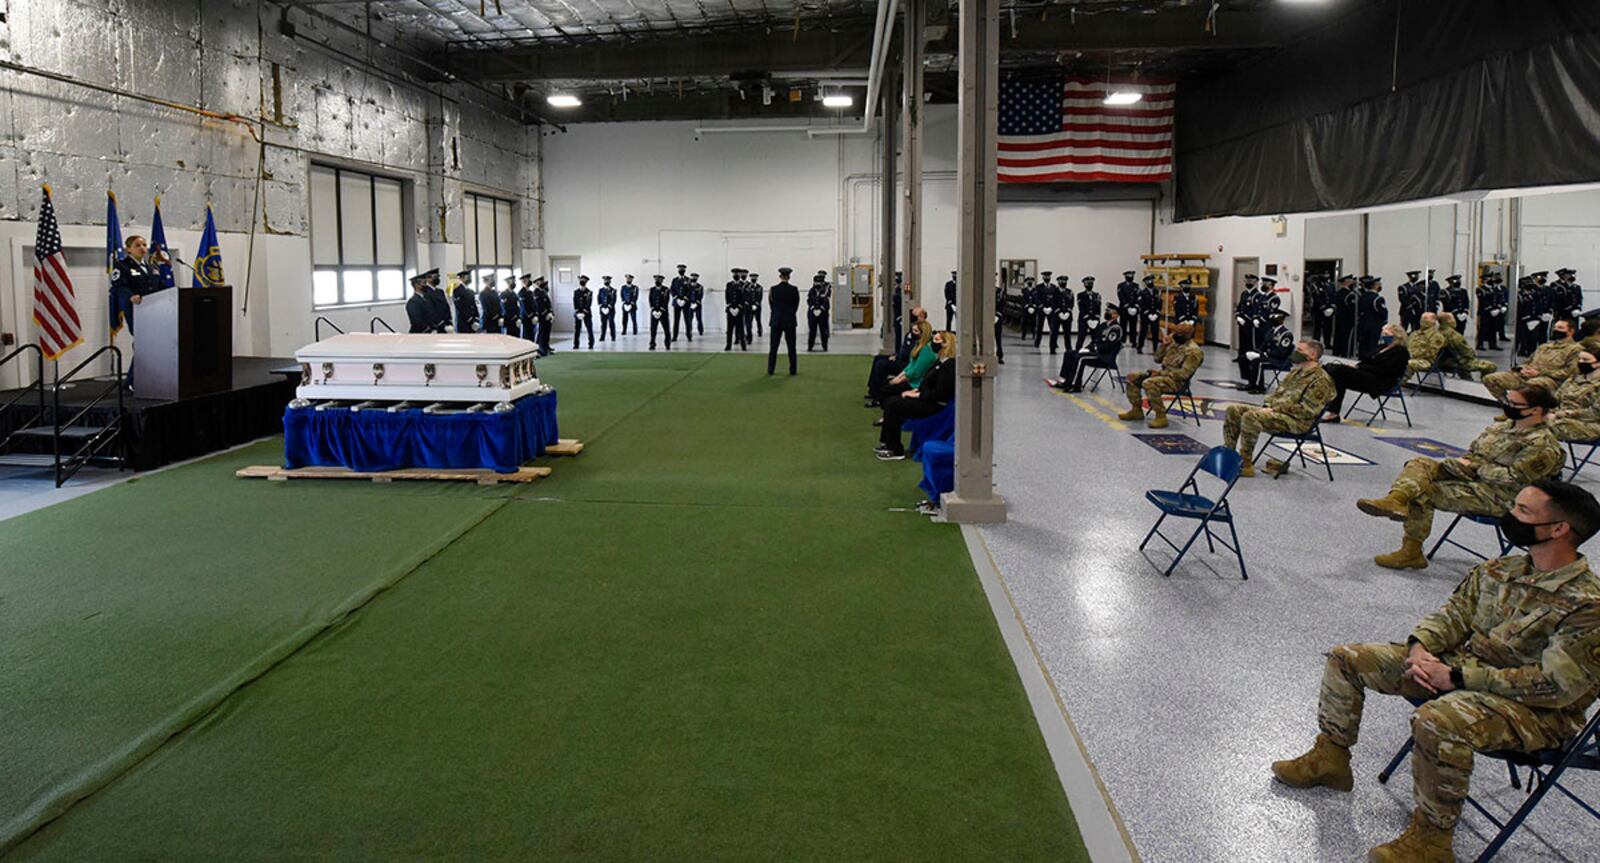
<point x="911" y="41"/>
<point x="888" y="202"/>
<point x="974" y="500"/>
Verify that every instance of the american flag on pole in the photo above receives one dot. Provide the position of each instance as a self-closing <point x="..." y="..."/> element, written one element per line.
<point x="55" y="307"/>
<point x="1062" y="131"/>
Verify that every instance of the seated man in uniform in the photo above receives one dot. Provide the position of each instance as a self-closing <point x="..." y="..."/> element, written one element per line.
<point x="1292" y="406"/>
<point x="1180" y="358"/>
<point x="1510" y="663"/>
<point x="1508" y="455"/>
<point x="1551" y="363"/>
<point x="1425" y="343"/>
<point x="1105" y="342"/>
<point x="1577" y="417"/>
<point x="1456" y="355"/>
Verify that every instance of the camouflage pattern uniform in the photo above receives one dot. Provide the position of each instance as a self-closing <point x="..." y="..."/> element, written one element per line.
<point x="1528" y="647"/>
<point x="1459" y="356"/>
<point x="1503" y="459"/>
<point x="1292" y="407"/>
<point x="1554" y="362"/>
<point x="1424" y="344"/>
<point x="1178" y="362"/>
<point x="1578" y="417"/>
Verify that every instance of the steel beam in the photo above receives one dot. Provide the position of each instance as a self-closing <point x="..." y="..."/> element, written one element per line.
<point x="911" y="132"/>
<point x="974" y="500"/>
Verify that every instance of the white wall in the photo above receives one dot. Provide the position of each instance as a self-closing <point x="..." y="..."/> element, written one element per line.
<point x="1239" y="237"/>
<point x="1563" y="230"/>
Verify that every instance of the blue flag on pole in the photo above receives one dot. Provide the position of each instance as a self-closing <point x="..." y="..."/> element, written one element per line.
<point x="208" y="262"/>
<point x="120" y="306"/>
<point x="158" y="243"/>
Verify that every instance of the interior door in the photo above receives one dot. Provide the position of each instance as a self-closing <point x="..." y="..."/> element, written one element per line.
<point x="564" y="272"/>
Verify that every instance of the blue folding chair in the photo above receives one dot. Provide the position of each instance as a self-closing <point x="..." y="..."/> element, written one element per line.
<point x="1187" y="502"/>
<point x="938" y="468"/>
<point x="1395" y="392"/>
<point x="1431" y="371"/>
<point x="1489" y="520"/>
<point x="1311" y="435"/>
<point x="1100" y="370"/>
<point x="940" y="426"/>
<point x="1579" y="464"/>
<point x="1545" y="768"/>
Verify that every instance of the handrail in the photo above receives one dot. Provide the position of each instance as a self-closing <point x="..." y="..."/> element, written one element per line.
<point x="89" y="448"/>
<point x="38" y="377"/>
<point x="377" y="320"/>
<point x="116" y="382"/>
<point x="317" y="326"/>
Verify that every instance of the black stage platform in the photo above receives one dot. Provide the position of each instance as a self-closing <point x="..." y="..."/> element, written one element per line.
<point x="161" y="432"/>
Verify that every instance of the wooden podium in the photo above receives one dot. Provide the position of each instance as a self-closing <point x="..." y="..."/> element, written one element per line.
<point x="183" y="342"/>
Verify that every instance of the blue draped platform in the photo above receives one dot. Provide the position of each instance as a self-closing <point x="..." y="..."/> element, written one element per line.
<point x="376" y="440"/>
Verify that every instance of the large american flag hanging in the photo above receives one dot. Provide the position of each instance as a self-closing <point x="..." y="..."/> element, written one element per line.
<point x="1053" y="132"/>
<point x="55" y="307"/>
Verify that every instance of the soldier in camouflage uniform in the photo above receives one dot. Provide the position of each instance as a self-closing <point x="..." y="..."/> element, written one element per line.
<point x="1180" y="358"/>
<point x="1424" y="343"/>
<point x="1507" y="456"/>
<point x="1577" y="418"/>
<point x="1292" y="407"/>
<point x="1457" y="355"/>
<point x="1553" y="362"/>
<point x="1511" y="662"/>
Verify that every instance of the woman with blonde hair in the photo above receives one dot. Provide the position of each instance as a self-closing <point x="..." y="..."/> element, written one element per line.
<point x="1373" y="375"/>
<point x="937" y="390"/>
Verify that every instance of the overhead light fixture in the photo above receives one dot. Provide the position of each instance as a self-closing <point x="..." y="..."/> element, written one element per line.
<point x="563" y="100"/>
<point x="837" y="100"/>
<point x="1123" y="97"/>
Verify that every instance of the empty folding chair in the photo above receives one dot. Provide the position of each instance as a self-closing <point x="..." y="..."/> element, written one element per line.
<point x="1188" y="503"/>
<point x="1432" y="371"/>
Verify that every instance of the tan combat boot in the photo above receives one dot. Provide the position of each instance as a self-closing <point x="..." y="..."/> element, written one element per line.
<point x="1409" y="556"/>
<point x="1390" y="506"/>
<point x="1131" y="415"/>
<point x="1421" y="843"/>
<point x="1159" y="421"/>
<point x="1248" y="467"/>
<point x="1327" y="764"/>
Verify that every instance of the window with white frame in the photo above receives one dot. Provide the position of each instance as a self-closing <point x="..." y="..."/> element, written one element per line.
<point x="358" y="238"/>
<point x="487" y="246"/>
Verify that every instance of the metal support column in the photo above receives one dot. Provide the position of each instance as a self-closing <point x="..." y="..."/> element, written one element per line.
<point x="974" y="500"/>
<point x="889" y="203"/>
<point x="911" y="147"/>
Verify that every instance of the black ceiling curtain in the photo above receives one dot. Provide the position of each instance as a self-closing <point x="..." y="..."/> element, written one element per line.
<point x="1482" y="94"/>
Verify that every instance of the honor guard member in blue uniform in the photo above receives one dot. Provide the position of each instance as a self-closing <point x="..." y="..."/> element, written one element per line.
<point x="1572" y="293"/>
<point x="679" y="294"/>
<point x="1088" y="312"/>
<point x="466" y="303"/>
<point x="999" y="321"/>
<point x="134" y="276"/>
<point x="1185" y="305"/>
<point x="754" y="294"/>
<point x="489" y="309"/>
<point x="1268" y="303"/>
<point x="950" y="303"/>
<point x="513" y="320"/>
<point x="528" y="310"/>
<point x="660" y="300"/>
<point x="785" y="302"/>
<point x="681" y="280"/>
<point x="734" y="306"/>
<point x="1063" y="322"/>
<point x="1434" y="297"/>
<point x="1530" y="312"/>
<point x="1547" y="305"/>
<point x="1347" y="297"/>
<point x="697" y="301"/>
<point x="899" y="308"/>
<point x="1105" y="342"/>
<point x="1455" y="300"/>
<point x="1244" y="315"/>
<point x="436" y="296"/>
<point x="421" y="311"/>
<point x="1149" y="304"/>
<point x="582" y="312"/>
<point x="1264" y="311"/>
<point x="1503" y="311"/>
<point x="1128" y="305"/>
<point x="1488" y="328"/>
<point x="1371" y="314"/>
<point x="1030" y="307"/>
<point x="630" y="304"/>
<point x="543" y="315"/>
<point x="606" y="301"/>
<point x="1324" y="306"/>
<point x="1046" y="297"/>
<point x="1275" y="347"/>
<point x="819" y="312"/>
<point x="1411" y="297"/>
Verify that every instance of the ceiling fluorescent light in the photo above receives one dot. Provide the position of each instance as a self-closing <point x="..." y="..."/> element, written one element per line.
<point x="1123" y="97"/>
<point x="837" y="100"/>
<point x="563" y="100"/>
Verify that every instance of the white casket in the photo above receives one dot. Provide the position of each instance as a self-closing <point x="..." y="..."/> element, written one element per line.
<point x="470" y="368"/>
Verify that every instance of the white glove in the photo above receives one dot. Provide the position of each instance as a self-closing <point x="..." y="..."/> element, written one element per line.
<point x="1533" y="325"/>
<point x="694" y="305"/>
<point x="1546" y="316"/>
<point x="1032" y="310"/>
<point x="655" y="313"/>
<point x="1241" y="321"/>
<point x="1252" y="356"/>
<point x="1326" y="312"/>
<point x="1085" y="350"/>
<point x="734" y="311"/>
<point x="1153" y="316"/>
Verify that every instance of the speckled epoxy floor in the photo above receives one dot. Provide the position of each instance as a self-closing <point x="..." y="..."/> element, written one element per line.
<point x="1184" y="689"/>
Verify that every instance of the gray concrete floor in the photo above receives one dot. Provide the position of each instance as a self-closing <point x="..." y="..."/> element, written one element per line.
<point x="25" y="489"/>
<point x="1185" y="688"/>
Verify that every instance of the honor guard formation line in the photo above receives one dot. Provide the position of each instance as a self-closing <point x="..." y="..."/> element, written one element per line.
<point x="872" y="430"/>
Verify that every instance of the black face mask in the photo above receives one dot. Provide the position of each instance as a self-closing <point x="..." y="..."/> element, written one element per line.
<point x="1560" y="334"/>
<point x="1179" y="338"/>
<point x="1585" y="368"/>
<point x="1520" y="533"/>
<point x="1514" y="412"/>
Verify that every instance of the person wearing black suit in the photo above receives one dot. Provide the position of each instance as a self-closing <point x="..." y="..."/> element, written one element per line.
<point x="784" y="302"/>
<point x="1488" y="326"/>
<point x="1088" y="313"/>
<point x="1149" y="303"/>
<point x="697" y="299"/>
<point x="421" y="310"/>
<point x="1344" y="317"/>
<point x="679" y="295"/>
<point x="950" y="302"/>
<point x="466" y="303"/>
<point x="489" y="309"/>
<point x="527" y="312"/>
<point x="1105" y="342"/>
<point x="437" y="298"/>
<point x="1323" y="305"/>
<point x="819" y="311"/>
<point x="660" y="308"/>
<point x="754" y="293"/>
<point x="582" y="310"/>
<point x="607" y="302"/>
<point x="1047" y="297"/>
<point x="734" y="306"/>
<point x="1374" y="375"/>
<point x="1128" y="304"/>
<point x="1371" y="314"/>
<point x="999" y="323"/>
<point x="1185" y="305"/>
<point x="938" y="389"/>
<point x="630" y="305"/>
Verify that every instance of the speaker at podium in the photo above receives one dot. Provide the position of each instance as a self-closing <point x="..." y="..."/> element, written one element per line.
<point x="183" y="343"/>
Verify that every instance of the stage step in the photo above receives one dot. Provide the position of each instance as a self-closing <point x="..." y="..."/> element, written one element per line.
<point x="73" y="433"/>
<point x="20" y="459"/>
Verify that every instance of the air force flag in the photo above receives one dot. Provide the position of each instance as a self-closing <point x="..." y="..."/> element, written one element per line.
<point x="208" y="263"/>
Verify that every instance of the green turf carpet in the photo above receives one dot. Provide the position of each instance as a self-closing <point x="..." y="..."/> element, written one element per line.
<point x="704" y="638"/>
